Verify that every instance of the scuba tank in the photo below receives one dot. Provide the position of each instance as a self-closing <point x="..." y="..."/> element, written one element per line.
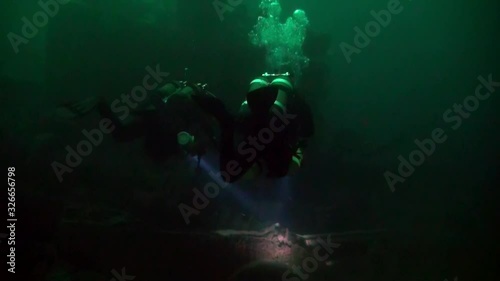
<point x="268" y="90"/>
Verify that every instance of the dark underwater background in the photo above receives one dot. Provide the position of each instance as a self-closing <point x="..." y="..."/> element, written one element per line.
<point x="438" y="224"/>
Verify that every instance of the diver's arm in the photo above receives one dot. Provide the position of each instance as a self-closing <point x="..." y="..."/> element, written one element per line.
<point x="214" y="107"/>
<point x="304" y="132"/>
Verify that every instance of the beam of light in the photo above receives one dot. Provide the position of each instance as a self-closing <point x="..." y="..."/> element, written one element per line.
<point x="284" y="187"/>
<point x="284" y="194"/>
<point x="234" y="189"/>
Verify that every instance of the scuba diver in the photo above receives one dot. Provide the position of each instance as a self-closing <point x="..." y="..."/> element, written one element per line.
<point x="266" y="137"/>
<point x="269" y="133"/>
<point x="169" y="120"/>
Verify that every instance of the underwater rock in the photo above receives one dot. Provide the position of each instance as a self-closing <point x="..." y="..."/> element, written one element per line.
<point x="216" y="255"/>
